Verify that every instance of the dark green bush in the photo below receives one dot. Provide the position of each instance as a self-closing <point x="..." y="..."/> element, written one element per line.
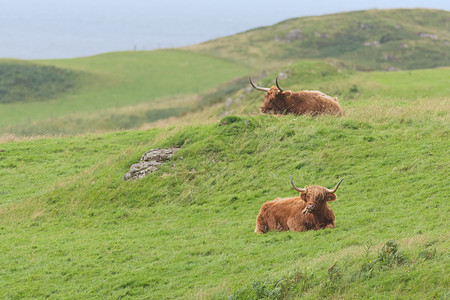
<point x="29" y="82"/>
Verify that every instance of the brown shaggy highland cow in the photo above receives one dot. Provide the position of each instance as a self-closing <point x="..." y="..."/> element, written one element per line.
<point x="309" y="211"/>
<point x="298" y="103"/>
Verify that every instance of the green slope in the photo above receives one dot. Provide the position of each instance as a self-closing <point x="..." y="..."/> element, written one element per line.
<point x="365" y="40"/>
<point x="132" y="81"/>
<point x="128" y="89"/>
<point x="71" y="227"/>
<point x="353" y="89"/>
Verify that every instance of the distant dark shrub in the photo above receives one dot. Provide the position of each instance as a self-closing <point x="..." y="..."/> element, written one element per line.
<point x="29" y="82"/>
<point x="389" y="37"/>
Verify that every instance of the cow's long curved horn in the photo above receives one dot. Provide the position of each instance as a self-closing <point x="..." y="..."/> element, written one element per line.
<point x="278" y="86"/>
<point x="257" y="87"/>
<point x="296" y="188"/>
<point x="335" y="188"/>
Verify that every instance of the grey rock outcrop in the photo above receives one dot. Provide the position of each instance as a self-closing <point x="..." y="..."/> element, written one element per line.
<point x="149" y="162"/>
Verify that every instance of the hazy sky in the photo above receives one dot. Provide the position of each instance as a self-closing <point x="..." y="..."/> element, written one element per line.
<point x="73" y="28"/>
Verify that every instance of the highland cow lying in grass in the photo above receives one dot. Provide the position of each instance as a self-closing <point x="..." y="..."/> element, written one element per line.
<point x="309" y="211"/>
<point x="313" y="103"/>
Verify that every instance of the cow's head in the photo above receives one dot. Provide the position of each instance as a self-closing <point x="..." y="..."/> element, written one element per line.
<point x="275" y="99"/>
<point x="316" y="196"/>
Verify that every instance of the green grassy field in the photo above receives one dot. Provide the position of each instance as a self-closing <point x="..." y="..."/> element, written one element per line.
<point x="113" y="91"/>
<point x="71" y="227"/>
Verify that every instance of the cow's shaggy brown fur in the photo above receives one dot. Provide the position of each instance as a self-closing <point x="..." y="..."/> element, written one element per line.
<point x="309" y="211"/>
<point x="300" y="103"/>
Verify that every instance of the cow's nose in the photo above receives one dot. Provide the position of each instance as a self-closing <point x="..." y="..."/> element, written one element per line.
<point x="311" y="207"/>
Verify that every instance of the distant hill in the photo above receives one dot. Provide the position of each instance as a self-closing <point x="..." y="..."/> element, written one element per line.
<point x="364" y="40"/>
<point x="125" y="90"/>
<point x="119" y="90"/>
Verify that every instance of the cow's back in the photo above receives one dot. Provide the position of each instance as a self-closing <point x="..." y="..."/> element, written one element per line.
<point x="314" y="103"/>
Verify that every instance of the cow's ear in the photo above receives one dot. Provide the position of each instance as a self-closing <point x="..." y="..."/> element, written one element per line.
<point x="303" y="196"/>
<point x="331" y="197"/>
<point x="288" y="94"/>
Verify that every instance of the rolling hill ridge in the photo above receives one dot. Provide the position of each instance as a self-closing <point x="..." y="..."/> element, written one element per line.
<point x="363" y="40"/>
<point x="129" y="89"/>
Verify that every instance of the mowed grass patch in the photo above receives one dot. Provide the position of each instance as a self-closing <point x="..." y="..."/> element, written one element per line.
<point x="187" y="230"/>
<point x="117" y="80"/>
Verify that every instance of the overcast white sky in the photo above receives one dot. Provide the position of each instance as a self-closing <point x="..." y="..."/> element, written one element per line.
<point x="73" y="28"/>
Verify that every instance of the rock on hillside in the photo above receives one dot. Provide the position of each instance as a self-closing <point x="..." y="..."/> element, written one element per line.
<point x="149" y="162"/>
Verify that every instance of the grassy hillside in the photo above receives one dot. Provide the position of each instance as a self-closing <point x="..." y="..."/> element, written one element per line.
<point x="129" y="89"/>
<point x="364" y="40"/>
<point x="71" y="227"/>
<point x="353" y="89"/>
<point x="118" y="90"/>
